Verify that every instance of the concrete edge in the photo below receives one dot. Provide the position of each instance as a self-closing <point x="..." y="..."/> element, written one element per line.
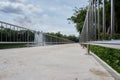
<point x="114" y="73"/>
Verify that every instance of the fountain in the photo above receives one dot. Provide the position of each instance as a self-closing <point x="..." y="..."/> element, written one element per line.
<point x="39" y="39"/>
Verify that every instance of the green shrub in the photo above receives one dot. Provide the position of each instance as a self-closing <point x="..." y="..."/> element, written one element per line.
<point x="110" y="56"/>
<point x="9" y="46"/>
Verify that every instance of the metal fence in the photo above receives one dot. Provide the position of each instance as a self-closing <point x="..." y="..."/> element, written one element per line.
<point x="47" y="39"/>
<point x="10" y="33"/>
<point x="13" y="34"/>
<point x="94" y="29"/>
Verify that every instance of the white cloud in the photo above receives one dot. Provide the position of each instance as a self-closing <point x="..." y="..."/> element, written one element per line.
<point x="18" y="8"/>
<point x="55" y="29"/>
<point x="34" y="9"/>
<point x="45" y="16"/>
<point x="23" y="21"/>
<point x="52" y="9"/>
<point x="14" y="1"/>
<point x="8" y="7"/>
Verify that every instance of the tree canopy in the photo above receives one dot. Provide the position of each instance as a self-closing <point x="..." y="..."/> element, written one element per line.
<point x="70" y="37"/>
<point x="78" y="17"/>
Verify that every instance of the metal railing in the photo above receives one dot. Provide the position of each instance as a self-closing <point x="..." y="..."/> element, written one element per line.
<point x="10" y="33"/>
<point x="47" y="39"/>
<point x="13" y="34"/>
<point x="93" y="30"/>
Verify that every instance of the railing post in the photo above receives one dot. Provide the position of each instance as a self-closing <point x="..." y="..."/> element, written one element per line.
<point x="28" y="38"/>
<point x="95" y="18"/>
<point x="10" y="34"/>
<point x="88" y="48"/>
<point x="98" y="4"/>
<point x="1" y="33"/>
<point x="104" y="20"/>
<point x="87" y="30"/>
<point x="6" y="33"/>
<point x="92" y="21"/>
<point x="112" y="19"/>
<point x="43" y="37"/>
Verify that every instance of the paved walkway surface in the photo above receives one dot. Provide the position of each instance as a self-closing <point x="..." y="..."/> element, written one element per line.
<point x="60" y="62"/>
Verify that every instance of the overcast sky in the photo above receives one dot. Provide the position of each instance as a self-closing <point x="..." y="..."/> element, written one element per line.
<point x="42" y="15"/>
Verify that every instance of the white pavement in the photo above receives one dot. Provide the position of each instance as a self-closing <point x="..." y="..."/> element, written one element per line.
<point x="60" y="62"/>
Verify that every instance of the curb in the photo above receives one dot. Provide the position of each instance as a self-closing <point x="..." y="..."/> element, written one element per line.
<point x="115" y="74"/>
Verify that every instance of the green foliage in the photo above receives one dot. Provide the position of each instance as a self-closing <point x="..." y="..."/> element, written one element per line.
<point x="70" y="37"/>
<point x="9" y="35"/>
<point x="117" y="15"/>
<point x="117" y="36"/>
<point x="110" y="56"/>
<point x="9" y="46"/>
<point x="78" y="18"/>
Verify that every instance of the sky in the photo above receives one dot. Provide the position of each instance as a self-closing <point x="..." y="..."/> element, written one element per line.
<point x="41" y="15"/>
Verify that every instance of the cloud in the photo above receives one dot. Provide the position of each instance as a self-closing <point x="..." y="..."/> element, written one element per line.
<point x="34" y="9"/>
<point x="14" y="1"/>
<point x="23" y="21"/>
<point x="52" y="9"/>
<point x="18" y="8"/>
<point x="8" y="7"/>
<point x="50" y="28"/>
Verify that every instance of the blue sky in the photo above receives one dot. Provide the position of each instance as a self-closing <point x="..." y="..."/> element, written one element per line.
<point x="41" y="15"/>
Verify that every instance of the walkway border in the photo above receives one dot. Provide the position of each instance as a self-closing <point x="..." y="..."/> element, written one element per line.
<point x="114" y="73"/>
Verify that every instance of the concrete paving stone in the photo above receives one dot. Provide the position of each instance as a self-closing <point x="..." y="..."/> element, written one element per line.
<point x="59" y="62"/>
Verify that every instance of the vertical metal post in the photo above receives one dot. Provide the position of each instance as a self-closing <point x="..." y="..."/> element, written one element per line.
<point x="87" y="30"/>
<point x="9" y="33"/>
<point x="56" y="40"/>
<point x="43" y="41"/>
<point x="30" y="36"/>
<point x="1" y="32"/>
<point x="104" y="20"/>
<point x="27" y="35"/>
<point x="51" y="40"/>
<point x="14" y="34"/>
<point x="24" y="33"/>
<point x="112" y="19"/>
<point x="27" y="40"/>
<point x="17" y="34"/>
<point x="88" y="48"/>
<point x="24" y="30"/>
<point x="6" y="33"/>
<point x="95" y="17"/>
<point x="20" y="35"/>
<point x="98" y="4"/>
<point x="92" y="21"/>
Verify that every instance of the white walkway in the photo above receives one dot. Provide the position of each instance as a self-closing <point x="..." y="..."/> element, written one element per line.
<point x="62" y="62"/>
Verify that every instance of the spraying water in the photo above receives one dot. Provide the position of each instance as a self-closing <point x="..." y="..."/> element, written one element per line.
<point x="39" y="39"/>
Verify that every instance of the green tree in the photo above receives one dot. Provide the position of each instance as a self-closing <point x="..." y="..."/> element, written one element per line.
<point x="117" y="15"/>
<point x="78" y="18"/>
<point x="70" y="37"/>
